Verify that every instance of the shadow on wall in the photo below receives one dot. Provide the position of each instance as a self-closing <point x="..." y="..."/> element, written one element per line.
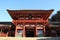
<point x="49" y="38"/>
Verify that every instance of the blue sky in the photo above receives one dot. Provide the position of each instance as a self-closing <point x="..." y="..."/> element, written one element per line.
<point x="26" y="4"/>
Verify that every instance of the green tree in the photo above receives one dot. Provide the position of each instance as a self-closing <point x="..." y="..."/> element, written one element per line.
<point x="56" y="17"/>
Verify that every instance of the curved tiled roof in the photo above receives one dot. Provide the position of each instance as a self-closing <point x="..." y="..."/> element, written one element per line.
<point x="45" y="13"/>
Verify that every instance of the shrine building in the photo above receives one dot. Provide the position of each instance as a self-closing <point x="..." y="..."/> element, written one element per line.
<point x="29" y="23"/>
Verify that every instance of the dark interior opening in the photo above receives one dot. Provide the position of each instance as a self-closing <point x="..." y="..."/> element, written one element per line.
<point x="5" y="30"/>
<point x="58" y="33"/>
<point x="30" y="32"/>
<point x="12" y="31"/>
